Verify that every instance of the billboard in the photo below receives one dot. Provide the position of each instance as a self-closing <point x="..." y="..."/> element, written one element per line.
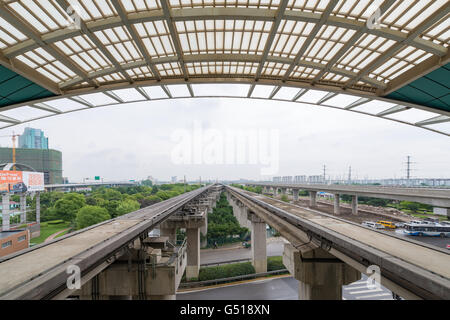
<point x="21" y="181"/>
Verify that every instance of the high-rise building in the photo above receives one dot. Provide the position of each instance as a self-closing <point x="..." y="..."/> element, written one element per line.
<point x="48" y="161"/>
<point x="33" y="139"/>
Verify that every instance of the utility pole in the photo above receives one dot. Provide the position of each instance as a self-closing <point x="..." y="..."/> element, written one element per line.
<point x="324" y="173"/>
<point x="184" y="183"/>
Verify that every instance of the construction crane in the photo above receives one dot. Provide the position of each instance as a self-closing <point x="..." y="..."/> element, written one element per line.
<point x="13" y="148"/>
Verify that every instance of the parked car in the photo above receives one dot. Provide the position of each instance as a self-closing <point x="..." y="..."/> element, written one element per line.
<point x="373" y="225"/>
<point x="400" y="224"/>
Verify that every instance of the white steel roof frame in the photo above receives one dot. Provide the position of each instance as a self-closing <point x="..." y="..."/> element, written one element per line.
<point x="109" y="92"/>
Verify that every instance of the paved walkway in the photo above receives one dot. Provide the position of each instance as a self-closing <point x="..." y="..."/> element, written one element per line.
<point x="53" y="236"/>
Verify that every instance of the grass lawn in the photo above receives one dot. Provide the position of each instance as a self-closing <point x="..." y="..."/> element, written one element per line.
<point x="62" y="234"/>
<point x="49" y="229"/>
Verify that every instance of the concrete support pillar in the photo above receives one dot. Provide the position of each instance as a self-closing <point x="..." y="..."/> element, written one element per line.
<point x="168" y="232"/>
<point x="283" y="191"/>
<point x="204" y="229"/>
<point x="312" y="199"/>
<point x="38" y="207"/>
<point x="355" y="205"/>
<point x="23" y="207"/>
<point x="193" y="252"/>
<point x="239" y="211"/>
<point x="295" y="194"/>
<point x="320" y="275"/>
<point x="442" y="212"/>
<point x="275" y="192"/>
<point x="337" y="208"/>
<point x="5" y="212"/>
<point x="259" y="243"/>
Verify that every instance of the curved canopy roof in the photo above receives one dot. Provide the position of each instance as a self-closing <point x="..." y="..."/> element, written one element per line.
<point x="393" y="50"/>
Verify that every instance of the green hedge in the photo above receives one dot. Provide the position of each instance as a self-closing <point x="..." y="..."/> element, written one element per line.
<point x="55" y="222"/>
<point x="225" y="271"/>
<point x="275" y="263"/>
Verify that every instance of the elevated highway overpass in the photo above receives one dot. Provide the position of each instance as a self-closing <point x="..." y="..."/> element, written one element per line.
<point x="432" y="196"/>
<point x="50" y="187"/>
<point x="409" y="268"/>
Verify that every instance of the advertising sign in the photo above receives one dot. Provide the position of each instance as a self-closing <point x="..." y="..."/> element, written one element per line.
<point x="21" y="181"/>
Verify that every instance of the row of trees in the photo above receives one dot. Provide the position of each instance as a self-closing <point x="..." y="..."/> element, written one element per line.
<point x="88" y="208"/>
<point x="222" y="223"/>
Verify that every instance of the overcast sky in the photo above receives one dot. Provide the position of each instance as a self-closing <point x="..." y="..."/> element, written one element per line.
<point x="133" y="141"/>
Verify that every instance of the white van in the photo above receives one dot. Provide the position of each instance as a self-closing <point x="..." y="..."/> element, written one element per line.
<point x="373" y="225"/>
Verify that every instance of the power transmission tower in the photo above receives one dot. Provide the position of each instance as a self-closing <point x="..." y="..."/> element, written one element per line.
<point x="408" y="167"/>
<point x="324" y="173"/>
<point x="350" y="174"/>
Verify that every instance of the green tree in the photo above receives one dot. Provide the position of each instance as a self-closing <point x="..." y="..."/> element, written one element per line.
<point x="147" y="183"/>
<point x="413" y="206"/>
<point x="127" y="206"/>
<point x="90" y="215"/>
<point x="111" y="194"/>
<point x="110" y="206"/>
<point x="67" y="207"/>
<point x="148" y="201"/>
<point x="163" y="195"/>
<point x="154" y="190"/>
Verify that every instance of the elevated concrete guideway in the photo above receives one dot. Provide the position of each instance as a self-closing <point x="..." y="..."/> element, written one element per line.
<point x="409" y="268"/>
<point x="40" y="272"/>
<point x="432" y="196"/>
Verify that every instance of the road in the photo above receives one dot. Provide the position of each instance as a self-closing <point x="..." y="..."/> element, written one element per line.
<point x="274" y="248"/>
<point x="435" y="241"/>
<point x="285" y="288"/>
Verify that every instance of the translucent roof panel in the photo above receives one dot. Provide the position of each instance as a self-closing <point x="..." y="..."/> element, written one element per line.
<point x="369" y="48"/>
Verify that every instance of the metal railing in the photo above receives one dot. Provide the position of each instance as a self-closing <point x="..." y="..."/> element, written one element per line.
<point x="225" y="262"/>
<point x="195" y="284"/>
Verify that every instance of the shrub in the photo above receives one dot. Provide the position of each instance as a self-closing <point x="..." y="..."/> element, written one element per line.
<point x="55" y="222"/>
<point x="275" y="263"/>
<point x="225" y="271"/>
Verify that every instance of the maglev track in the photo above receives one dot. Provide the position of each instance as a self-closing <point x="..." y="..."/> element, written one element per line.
<point x="421" y="270"/>
<point x="40" y="272"/>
